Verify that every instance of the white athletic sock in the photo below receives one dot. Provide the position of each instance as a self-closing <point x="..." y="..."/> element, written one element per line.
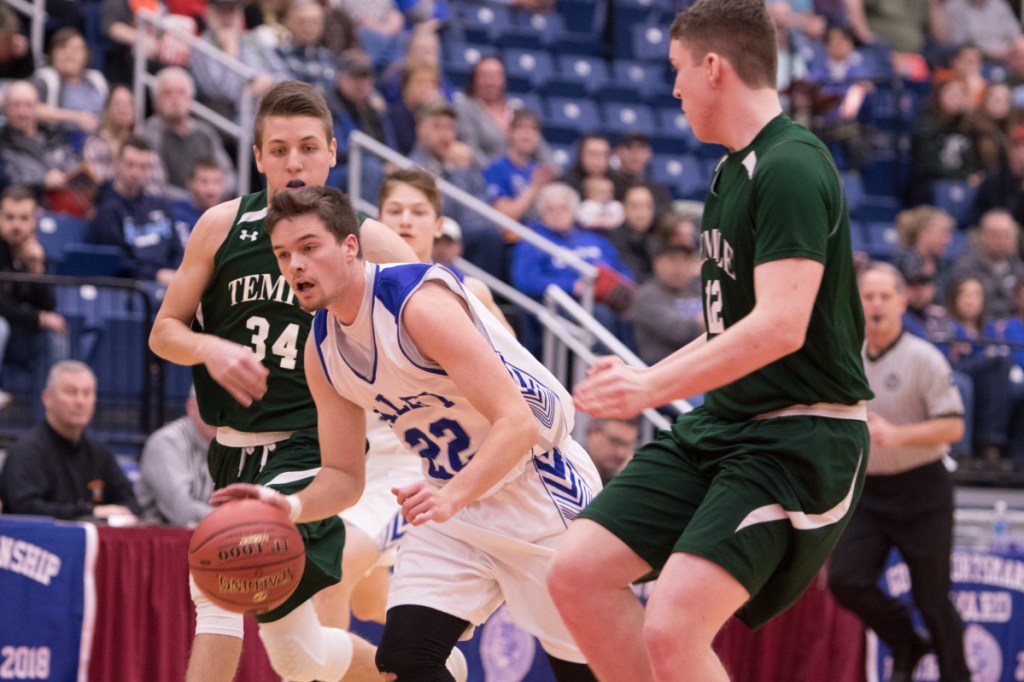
<point x="457" y="665"/>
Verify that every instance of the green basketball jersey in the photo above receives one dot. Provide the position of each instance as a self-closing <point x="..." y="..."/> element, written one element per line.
<point x="248" y="301"/>
<point x="781" y="197"/>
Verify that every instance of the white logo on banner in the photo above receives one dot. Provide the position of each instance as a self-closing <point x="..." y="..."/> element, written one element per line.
<point x="506" y="652"/>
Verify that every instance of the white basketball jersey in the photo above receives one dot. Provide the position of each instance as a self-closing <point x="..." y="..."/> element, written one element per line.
<point x="374" y="364"/>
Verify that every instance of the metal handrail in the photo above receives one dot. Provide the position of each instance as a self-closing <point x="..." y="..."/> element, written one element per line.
<point x="240" y="131"/>
<point x="359" y="140"/>
<point x="37" y="11"/>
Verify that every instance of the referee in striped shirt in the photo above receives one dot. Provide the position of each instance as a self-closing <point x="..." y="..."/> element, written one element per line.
<point x="907" y="501"/>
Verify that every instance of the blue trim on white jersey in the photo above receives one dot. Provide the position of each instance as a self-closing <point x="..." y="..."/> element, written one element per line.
<point x="320" y="335"/>
<point x="393" y="284"/>
<point x="568" y="491"/>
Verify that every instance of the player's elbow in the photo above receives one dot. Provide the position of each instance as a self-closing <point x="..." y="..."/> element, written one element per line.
<point x="956" y="429"/>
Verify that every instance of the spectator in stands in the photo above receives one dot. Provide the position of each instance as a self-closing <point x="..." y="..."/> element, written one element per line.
<point x="218" y="86"/>
<point x="33" y="155"/>
<point x="611" y="444"/>
<point x="420" y="87"/>
<point x="792" y="48"/>
<point x="907" y="500"/>
<point x="356" y="104"/>
<point x="71" y="95"/>
<point x="205" y="189"/>
<point x="15" y="54"/>
<point x="118" y="24"/>
<point x="965" y="64"/>
<point x="635" y="239"/>
<point x="411" y="205"/>
<point x="339" y="29"/>
<point x="56" y="469"/>
<point x="942" y="143"/>
<point x="925" y="233"/>
<point x="1004" y="187"/>
<point x="117" y="124"/>
<point x="924" y="317"/>
<point x="633" y="154"/>
<point x="680" y="228"/>
<point x="908" y="27"/>
<point x="514" y="180"/>
<point x="380" y="28"/>
<point x="303" y="55"/>
<point x="599" y="210"/>
<point x="989" y="24"/>
<point x="968" y="350"/>
<point x="438" y="152"/>
<point x="179" y="138"/>
<point x="593" y="157"/>
<point x="174" y="481"/>
<point x="448" y="245"/>
<point x="26" y="309"/>
<point x="485" y="113"/>
<point x="667" y="310"/>
<point x="992" y="125"/>
<point x="1012" y="328"/>
<point x="534" y="270"/>
<point x="994" y="261"/>
<point x="139" y="224"/>
<point x="424" y="47"/>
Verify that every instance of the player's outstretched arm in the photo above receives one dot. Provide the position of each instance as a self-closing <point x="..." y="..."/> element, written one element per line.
<point x="785" y="291"/>
<point x="381" y="244"/>
<point x="233" y="366"/>
<point x="440" y="326"/>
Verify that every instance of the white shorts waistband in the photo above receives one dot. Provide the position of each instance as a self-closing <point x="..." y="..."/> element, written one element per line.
<point x="858" y="412"/>
<point x="243" y="439"/>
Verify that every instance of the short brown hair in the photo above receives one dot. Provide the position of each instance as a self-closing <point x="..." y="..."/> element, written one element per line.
<point x="416" y="178"/>
<point x="18" y="193"/>
<point x="741" y="31"/>
<point x="293" y="98"/>
<point x="330" y="205"/>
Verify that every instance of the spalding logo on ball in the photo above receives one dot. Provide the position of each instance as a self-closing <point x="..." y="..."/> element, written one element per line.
<point x="246" y="556"/>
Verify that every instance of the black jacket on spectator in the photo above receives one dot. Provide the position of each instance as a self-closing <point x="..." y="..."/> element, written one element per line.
<point x="1001" y="189"/>
<point x="20" y="303"/>
<point x="47" y="475"/>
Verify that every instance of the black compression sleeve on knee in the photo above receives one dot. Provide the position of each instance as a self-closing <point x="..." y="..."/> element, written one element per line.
<point x="417" y="641"/>
<point x="565" y="671"/>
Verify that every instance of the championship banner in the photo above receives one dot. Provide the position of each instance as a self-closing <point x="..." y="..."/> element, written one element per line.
<point x="988" y="591"/>
<point x="46" y="582"/>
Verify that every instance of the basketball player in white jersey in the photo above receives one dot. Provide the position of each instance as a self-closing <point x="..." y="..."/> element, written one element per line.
<point x="410" y="204"/>
<point x="504" y="478"/>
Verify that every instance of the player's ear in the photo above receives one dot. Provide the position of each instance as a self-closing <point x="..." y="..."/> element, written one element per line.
<point x="333" y="148"/>
<point x="259" y="158"/>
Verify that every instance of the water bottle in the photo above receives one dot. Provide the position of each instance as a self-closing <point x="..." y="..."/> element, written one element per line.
<point x="1000" y="529"/>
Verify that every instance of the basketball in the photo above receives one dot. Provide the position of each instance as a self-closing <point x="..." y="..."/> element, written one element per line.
<point x="246" y="556"/>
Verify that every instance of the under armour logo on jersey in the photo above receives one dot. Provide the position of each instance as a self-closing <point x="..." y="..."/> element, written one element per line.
<point x="251" y="236"/>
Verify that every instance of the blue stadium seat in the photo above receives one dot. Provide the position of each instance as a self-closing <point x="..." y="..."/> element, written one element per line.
<point x="672" y="128"/>
<point x="858" y="239"/>
<point x="533" y="29"/>
<point x="532" y="68"/>
<point x="526" y="100"/>
<point x="650" y="42"/>
<point x="483" y="23"/>
<point x="853" y="187"/>
<point x="578" y="75"/>
<point x="625" y="118"/>
<point x="460" y="57"/>
<point x="56" y="230"/>
<point x="177" y="382"/>
<point x="118" y="358"/>
<point x="90" y="260"/>
<point x="955" y="197"/>
<point x="686" y="175"/>
<point x="573" y="113"/>
<point x="647" y="79"/>
<point x="562" y="155"/>
<point x="881" y="240"/>
<point x="872" y="208"/>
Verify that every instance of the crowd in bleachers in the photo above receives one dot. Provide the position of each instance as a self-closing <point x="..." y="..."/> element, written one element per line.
<point x="559" y="115"/>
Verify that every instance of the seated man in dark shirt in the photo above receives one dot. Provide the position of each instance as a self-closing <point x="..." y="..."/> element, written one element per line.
<point x="55" y="469"/>
<point x="138" y="223"/>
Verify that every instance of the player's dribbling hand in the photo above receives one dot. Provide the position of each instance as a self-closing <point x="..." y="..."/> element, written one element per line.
<point x="421" y="503"/>
<point x="250" y="491"/>
<point x="612" y="390"/>
<point x="237" y="369"/>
